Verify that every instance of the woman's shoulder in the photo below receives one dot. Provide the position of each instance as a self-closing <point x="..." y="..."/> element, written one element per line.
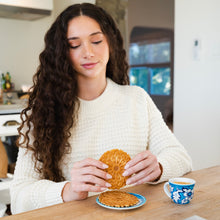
<point x="133" y="91"/>
<point x="130" y="92"/>
<point x="127" y="88"/>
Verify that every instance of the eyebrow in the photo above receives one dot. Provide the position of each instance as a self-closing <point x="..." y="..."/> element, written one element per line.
<point x="75" y="38"/>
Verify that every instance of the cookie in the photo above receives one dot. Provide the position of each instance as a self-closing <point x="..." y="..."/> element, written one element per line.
<point x="118" y="199"/>
<point x="116" y="161"/>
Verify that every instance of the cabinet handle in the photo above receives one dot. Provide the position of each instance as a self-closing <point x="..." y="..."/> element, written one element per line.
<point x="11" y="123"/>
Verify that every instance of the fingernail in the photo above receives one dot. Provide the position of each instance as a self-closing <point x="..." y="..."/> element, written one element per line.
<point x="126" y="166"/>
<point x="109" y="176"/>
<point x="105" y="166"/>
<point x="103" y="188"/>
<point x="125" y="173"/>
<point x="108" y="184"/>
<point x="128" y="182"/>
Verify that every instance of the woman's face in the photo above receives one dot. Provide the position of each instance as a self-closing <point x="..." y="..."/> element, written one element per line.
<point x="89" y="49"/>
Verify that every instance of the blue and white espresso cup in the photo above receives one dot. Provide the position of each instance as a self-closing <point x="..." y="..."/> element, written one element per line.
<point x="180" y="190"/>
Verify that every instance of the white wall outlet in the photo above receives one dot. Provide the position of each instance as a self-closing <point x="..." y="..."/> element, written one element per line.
<point x="197" y="49"/>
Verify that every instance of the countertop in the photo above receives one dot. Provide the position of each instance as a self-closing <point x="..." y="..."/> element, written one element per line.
<point x="15" y="108"/>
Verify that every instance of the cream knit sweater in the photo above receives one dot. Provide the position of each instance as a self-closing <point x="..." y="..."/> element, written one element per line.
<point x="123" y="117"/>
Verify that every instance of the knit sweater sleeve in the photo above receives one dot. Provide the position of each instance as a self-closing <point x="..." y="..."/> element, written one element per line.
<point x="170" y="153"/>
<point x="27" y="190"/>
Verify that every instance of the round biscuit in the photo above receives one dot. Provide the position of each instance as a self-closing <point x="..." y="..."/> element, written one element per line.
<point x="116" y="160"/>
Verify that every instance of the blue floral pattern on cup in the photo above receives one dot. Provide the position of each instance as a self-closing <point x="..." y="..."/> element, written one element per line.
<point x="181" y="194"/>
<point x="180" y="189"/>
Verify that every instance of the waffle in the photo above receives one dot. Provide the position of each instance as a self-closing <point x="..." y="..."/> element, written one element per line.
<point x="116" y="161"/>
<point x="118" y="199"/>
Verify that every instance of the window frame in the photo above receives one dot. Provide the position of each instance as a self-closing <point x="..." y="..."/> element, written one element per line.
<point x="141" y="34"/>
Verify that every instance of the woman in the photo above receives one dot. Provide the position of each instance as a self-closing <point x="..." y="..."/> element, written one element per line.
<point x="80" y="107"/>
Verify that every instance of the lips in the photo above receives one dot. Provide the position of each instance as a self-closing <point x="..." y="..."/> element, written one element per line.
<point x="89" y="65"/>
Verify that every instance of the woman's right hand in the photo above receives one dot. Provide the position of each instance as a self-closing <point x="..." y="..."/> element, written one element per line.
<point x="86" y="176"/>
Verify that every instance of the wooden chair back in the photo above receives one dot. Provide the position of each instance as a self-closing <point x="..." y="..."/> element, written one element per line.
<point x="3" y="161"/>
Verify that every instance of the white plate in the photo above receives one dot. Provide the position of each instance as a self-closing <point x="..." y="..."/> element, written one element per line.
<point x="141" y="202"/>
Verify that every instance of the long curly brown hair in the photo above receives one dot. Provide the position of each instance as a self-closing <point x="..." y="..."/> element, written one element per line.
<point x="53" y="104"/>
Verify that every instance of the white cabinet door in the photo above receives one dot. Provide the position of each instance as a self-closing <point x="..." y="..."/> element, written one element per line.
<point x="10" y="130"/>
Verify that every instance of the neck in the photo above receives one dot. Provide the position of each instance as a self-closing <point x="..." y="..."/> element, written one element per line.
<point x="92" y="88"/>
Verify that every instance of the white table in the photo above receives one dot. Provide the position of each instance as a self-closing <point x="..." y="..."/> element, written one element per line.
<point x="4" y="189"/>
<point x="3" y="208"/>
<point x="5" y="193"/>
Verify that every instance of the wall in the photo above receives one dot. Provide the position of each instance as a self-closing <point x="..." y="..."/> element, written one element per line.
<point x="22" y="41"/>
<point x="196" y="93"/>
<point x="61" y="5"/>
<point x="197" y="90"/>
<point x="150" y="13"/>
<point x="40" y="4"/>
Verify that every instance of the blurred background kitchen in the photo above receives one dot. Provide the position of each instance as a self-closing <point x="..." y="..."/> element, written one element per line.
<point x="174" y="54"/>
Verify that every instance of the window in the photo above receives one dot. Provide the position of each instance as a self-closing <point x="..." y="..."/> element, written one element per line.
<point x="151" y="65"/>
<point x="156" y="81"/>
<point x="147" y="52"/>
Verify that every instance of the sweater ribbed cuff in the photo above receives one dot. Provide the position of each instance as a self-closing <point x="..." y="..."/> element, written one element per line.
<point x="54" y="193"/>
<point x="167" y="172"/>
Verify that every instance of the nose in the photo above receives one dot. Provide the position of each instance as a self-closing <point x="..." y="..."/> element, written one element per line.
<point x="88" y="51"/>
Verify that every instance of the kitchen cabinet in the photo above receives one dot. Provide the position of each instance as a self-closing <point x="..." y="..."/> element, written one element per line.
<point x="10" y="117"/>
<point x="25" y="9"/>
<point x="9" y="130"/>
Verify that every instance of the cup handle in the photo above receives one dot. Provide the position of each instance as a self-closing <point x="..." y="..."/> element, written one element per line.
<point x="165" y="188"/>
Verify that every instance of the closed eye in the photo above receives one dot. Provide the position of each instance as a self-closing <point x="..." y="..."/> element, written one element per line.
<point x="74" y="47"/>
<point x="97" y="42"/>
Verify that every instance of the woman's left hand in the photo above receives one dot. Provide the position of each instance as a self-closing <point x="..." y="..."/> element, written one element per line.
<point x="145" y="167"/>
